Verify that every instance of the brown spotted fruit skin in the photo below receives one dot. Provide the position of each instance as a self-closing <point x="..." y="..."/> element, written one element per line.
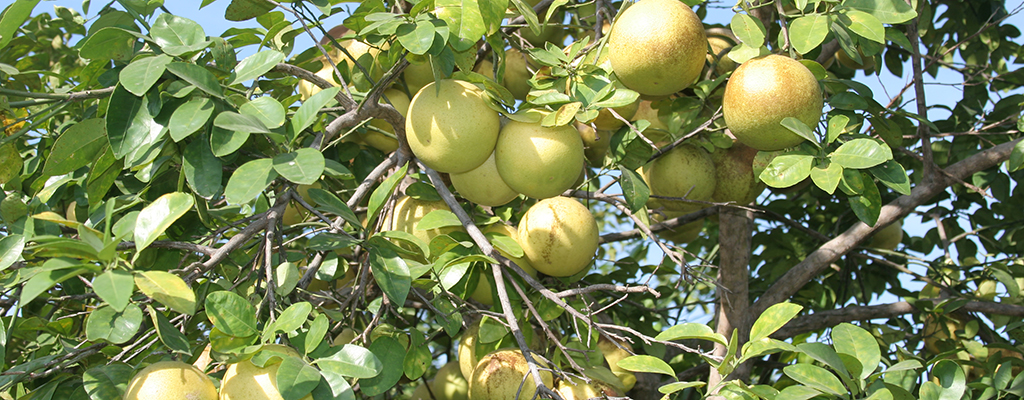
<point x="498" y="375"/>
<point x="559" y="236"/>
<point x="657" y="47"/>
<point x="765" y="90"/>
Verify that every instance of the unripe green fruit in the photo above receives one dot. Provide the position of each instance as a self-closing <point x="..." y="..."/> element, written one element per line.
<point x="498" y="375"/>
<point x="657" y="47"/>
<point x="378" y="140"/>
<point x="169" y="380"/>
<point x="765" y="90"/>
<point x="537" y="161"/>
<point x="595" y="144"/>
<point x="888" y="237"/>
<point x="483" y="185"/>
<point x="559" y="236"/>
<point x="450" y="127"/>
<point x="685" y="171"/>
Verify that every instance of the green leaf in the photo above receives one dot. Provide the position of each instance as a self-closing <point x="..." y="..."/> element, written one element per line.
<point x="158" y="216"/>
<point x="308" y="112"/>
<point x="249" y="180"/>
<point x="142" y="73"/>
<point x="864" y="24"/>
<point x="417" y="359"/>
<point x="836" y="126"/>
<point x="269" y="111"/>
<point x="801" y="129"/>
<point x="296" y="379"/>
<point x="197" y="76"/>
<point x="471" y="26"/>
<point x="677" y="386"/>
<point x="634" y="188"/>
<point x="317" y="329"/>
<point x="330" y="203"/>
<point x="798" y="392"/>
<point x="169" y="335"/>
<point x="892" y="174"/>
<point x="391" y="354"/>
<point x="886" y="11"/>
<point x="1016" y="157"/>
<point x="190" y="117"/>
<point x="203" y="171"/>
<point x="763" y="347"/>
<point x="177" y="35"/>
<point x="11" y="162"/>
<point x="564" y="115"/>
<point x="787" y="170"/>
<point x="807" y="32"/>
<point x="816" y="377"/>
<point x="256" y="65"/>
<point x="231" y="313"/>
<point x="114" y="287"/>
<point x="303" y="166"/>
<point x="645" y="363"/>
<point x="826" y="175"/>
<point x="854" y="341"/>
<point x="824" y="354"/>
<point x="109" y="43"/>
<point x="868" y="204"/>
<point x="772" y="319"/>
<point x="224" y="142"/>
<point x="132" y="125"/>
<point x="241" y="10"/>
<point x="952" y="382"/>
<point x="12" y="18"/>
<point x="352" y="361"/>
<point x="417" y="38"/>
<point x="11" y="247"/>
<point x="290" y="320"/>
<point x="389" y="270"/>
<point x="748" y="29"/>
<point x="382" y="193"/>
<point x="168" y="289"/>
<point x="76" y="147"/>
<point x="115" y="327"/>
<point x="45" y="280"/>
<point x="107" y="381"/>
<point x="692" y="330"/>
<point x="861" y="153"/>
<point x="438" y="219"/>
<point x="233" y="121"/>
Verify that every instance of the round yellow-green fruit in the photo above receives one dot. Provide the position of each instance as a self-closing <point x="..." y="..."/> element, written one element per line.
<point x="485" y="284"/>
<point x="657" y="47"/>
<point x="417" y="75"/>
<point x="686" y="171"/>
<point x="498" y="375"/>
<point x="613" y="354"/>
<point x="450" y="127"/>
<point x="466" y="353"/>
<point x="516" y="75"/>
<point x="595" y="143"/>
<point x="844" y="58"/>
<point x="167" y="380"/>
<point x="888" y="237"/>
<point x="576" y="389"/>
<point x="245" y="381"/>
<point x="537" y="161"/>
<point x="381" y="141"/>
<point x="718" y="44"/>
<point x="483" y="185"/>
<point x="407" y="214"/>
<point x="606" y="121"/>
<point x="765" y="90"/>
<point x="658" y="130"/>
<point x="734" y="175"/>
<point x="449" y="384"/>
<point x="559" y="236"/>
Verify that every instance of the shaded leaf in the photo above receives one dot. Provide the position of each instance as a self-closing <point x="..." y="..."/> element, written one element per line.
<point x="391" y="354"/>
<point x="197" y="76"/>
<point x="303" y="166"/>
<point x="114" y="287"/>
<point x="634" y="188"/>
<point x="190" y="117"/>
<point x="233" y="121"/>
<point x="308" y="112"/>
<point x="296" y="379"/>
<point x="203" y="171"/>
<point x="169" y="335"/>
<point x="115" y="327"/>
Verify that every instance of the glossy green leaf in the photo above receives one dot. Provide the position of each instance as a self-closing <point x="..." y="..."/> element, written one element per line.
<point x="836" y="126"/>
<point x="952" y="382"/>
<point x="391" y="354"/>
<point x="787" y="170"/>
<point x="178" y="35"/>
<point x="328" y="202"/>
<point x="865" y="25"/>
<point x="352" y="361"/>
<point x="855" y="341"/>
<point x="249" y="180"/>
<point x="692" y="330"/>
<point x="801" y="129"/>
<point x="1016" y="160"/>
<point x="417" y="359"/>
<point x="142" y="73"/>
<point x="269" y="111"/>
<point x="826" y="175"/>
<point x="133" y="125"/>
<point x="168" y="289"/>
<point x="45" y="280"/>
<point x="772" y="319"/>
<point x="565" y="114"/>
<point x="190" y="117"/>
<point x="241" y="10"/>
<point x="203" y="171"/>
<point x="389" y="270"/>
<point x="224" y="142"/>
<point x="303" y="166"/>
<point x="13" y="17"/>
<point x="825" y="354"/>
<point x="677" y="386"/>
<point x="107" y="381"/>
<point x="634" y="189"/>
<point x="115" y="327"/>
<point x="317" y="329"/>
<point x="861" y="153"/>
<point x="159" y="215"/>
<point x="416" y="37"/>
<point x="76" y="147"/>
<point x="109" y="43"/>
<point x="308" y="112"/>
<point x="892" y="174"/>
<point x="816" y="377"/>
<point x="231" y="313"/>
<point x="645" y="363"/>
<point x="290" y="320"/>
<point x="168" y="334"/>
<point x="383" y="193"/>
<point x="807" y="32"/>
<point x="114" y="287"/>
<point x="759" y="348"/>
<point x="868" y="205"/>
<point x="286" y="277"/>
<point x="256" y="65"/>
<point x="886" y="11"/>
<point x="748" y="29"/>
<point x="296" y="378"/>
<point x="798" y="392"/>
<point x="11" y="247"/>
<point x="197" y="76"/>
<point x="438" y="219"/>
<point x="233" y="121"/>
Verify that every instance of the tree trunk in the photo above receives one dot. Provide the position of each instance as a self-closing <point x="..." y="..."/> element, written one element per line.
<point x="733" y="298"/>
